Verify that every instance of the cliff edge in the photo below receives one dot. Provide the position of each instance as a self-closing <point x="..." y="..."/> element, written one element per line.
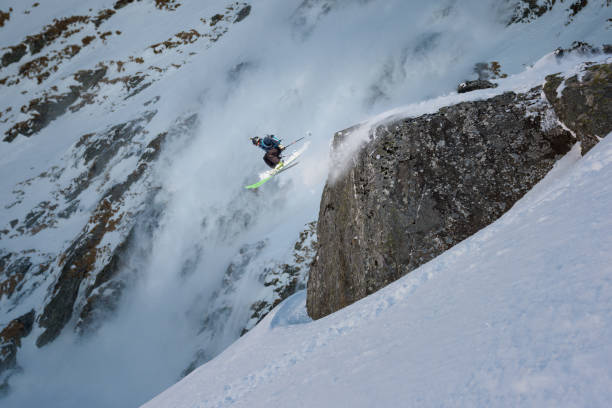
<point x="422" y="185"/>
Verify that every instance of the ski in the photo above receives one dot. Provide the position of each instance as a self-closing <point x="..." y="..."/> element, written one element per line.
<point x="287" y="167"/>
<point x="267" y="176"/>
<point x="259" y="183"/>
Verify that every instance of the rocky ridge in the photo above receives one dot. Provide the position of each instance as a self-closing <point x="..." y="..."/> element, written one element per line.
<point x="526" y="11"/>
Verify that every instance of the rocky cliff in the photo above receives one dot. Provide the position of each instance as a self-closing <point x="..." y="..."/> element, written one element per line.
<point x="424" y="184"/>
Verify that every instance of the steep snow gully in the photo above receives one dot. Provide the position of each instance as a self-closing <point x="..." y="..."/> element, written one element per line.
<point x="130" y="253"/>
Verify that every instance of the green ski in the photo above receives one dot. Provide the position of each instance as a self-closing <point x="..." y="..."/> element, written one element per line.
<point x="259" y="183"/>
<point x="290" y="162"/>
<point x="274" y="173"/>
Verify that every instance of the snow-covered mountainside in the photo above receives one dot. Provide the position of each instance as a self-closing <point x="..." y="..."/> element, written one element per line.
<point x="520" y="314"/>
<point x="130" y="252"/>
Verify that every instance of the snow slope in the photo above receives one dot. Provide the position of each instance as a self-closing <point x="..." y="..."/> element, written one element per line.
<point x="520" y="314"/>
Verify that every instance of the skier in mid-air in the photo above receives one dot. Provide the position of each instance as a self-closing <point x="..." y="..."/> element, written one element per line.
<point x="273" y="148"/>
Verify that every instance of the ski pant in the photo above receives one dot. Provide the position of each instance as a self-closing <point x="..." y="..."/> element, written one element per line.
<point x="272" y="157"/>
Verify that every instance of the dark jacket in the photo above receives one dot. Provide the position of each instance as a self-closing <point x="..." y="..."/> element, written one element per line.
<point x="269" y="142"/>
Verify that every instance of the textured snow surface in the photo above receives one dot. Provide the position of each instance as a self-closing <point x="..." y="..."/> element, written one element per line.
<point x="520" y="314"/>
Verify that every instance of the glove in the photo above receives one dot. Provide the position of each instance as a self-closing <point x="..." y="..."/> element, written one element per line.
<point x="281" y="147"/>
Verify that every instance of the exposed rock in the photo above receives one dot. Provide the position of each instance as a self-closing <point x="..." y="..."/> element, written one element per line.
<point x="486" y="70"/>
<point x="422" y="186"/>
<point x="580" y="48"/>
<point x="469" y="86"/>
<point x="87" y="283"/>
<point x="215" y="19"/>
<point x="278" y="281"/>
<point x="585" y="102"/>
<point x="14" y="55"/>
<point x="52" y="32"/>
<point x="48" y="108"/>
<point x="243" y="13"/>
<point x="12" y="273"/>
<point x="79" y="259"/>
<point x="10" y="341"/>
<point x="100" y="304"/>
<point x="576" y="7"/>
<point x="104" y="294"/>
<point x="102" y="148"/>
<point x="19" y="275"/>
<point x="87" y="271"/>
<point x="169" y="5"/>
<point x="425" y="184"/>
<point x="4" y="16"/>
<point x="529" y="10"/>
<point x="122" y="3"/>
<point x="103" y="15"/>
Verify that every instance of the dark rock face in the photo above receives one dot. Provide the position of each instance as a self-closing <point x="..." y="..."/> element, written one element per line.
<point x="529" y="10"/>
<point x="285" y="279"/>
<point x="88" y="284"/>
<point x="122" y="3"/>
<point x="585" y="104"/>
<point x="278" y="281"/>
<point x="469" y="86"/>
<point x="243" y="13"/>
<point x="579" y="48"/>
<point x="16" y="268"/>
<point x="14" y="55"/>
<point x="10" y="341"/>
<point x="47" y="109"/>
<point x="78" y="261"/>
<point x="422" y="186"/>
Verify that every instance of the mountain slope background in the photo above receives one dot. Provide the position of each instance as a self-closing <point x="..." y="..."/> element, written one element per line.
<point x="130" y="252"/>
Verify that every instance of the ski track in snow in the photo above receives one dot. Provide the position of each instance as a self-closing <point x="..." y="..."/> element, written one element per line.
<point x="520" y="314"/>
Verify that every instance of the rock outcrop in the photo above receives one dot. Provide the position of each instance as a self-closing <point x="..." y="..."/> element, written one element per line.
<point x="469" y="86"/>
<point x="583" y="104"/>
<point x="10" y="340"/>
<point x="529" y="10"/>
<point x="424" y="184"/>
<point x="276" y="281"/>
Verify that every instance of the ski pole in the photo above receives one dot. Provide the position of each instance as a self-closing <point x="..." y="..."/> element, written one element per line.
<point x="294" y="142"/>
